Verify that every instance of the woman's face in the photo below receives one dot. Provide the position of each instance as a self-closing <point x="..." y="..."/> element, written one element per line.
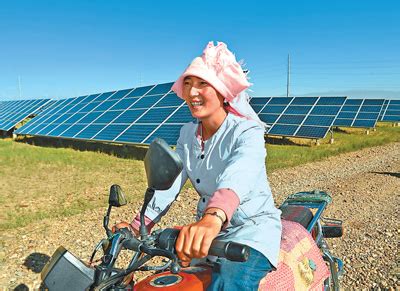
<point x="203" y="100"/>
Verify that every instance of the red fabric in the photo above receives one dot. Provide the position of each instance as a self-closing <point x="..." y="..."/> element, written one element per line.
<point x="136" y="223"/>
<point x="226" y="200"/>
<point x="293" y="271"/>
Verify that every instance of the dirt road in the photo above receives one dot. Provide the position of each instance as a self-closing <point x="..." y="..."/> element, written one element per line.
<point x="365" y="186"/>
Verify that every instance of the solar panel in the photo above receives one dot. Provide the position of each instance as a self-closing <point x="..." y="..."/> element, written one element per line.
<point x="127" y="116"/>
<point x="392" y="111"/>
<point x="44" y="107"/>
<point x="359" y="113"/>
<point x="258" y="103"/>
<point x="307" y="117"/>
<point x="269" y="109"/>
<point x="41" y="118"/>
<point x="13" y="112"/>
<point x="384" y="106"/>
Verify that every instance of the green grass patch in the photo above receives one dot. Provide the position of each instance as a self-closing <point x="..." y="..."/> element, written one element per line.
<point x="39" y="182"/>
<point x="46" y="182"/>
<point x="345" y="140"/>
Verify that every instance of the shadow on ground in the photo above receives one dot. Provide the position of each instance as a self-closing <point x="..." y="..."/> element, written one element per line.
<point x="6" y="134"/>
<point x="393" y="174"/>
<point x="341" y="130"/>
<point x="36" y="262"/>
<point x="284" y="141"/>
<point x="23" y="287"/>
<point x="136" y="152"/>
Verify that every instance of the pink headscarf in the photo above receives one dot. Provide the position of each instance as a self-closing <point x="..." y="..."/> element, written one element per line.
<point x="218" y="66"/>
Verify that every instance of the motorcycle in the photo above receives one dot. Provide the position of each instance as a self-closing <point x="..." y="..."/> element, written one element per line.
<point x="64" y="271"/>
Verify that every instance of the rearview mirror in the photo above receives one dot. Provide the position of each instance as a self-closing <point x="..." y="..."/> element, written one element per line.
<point x="162" y="164"/>
<point x="117" y="198"/>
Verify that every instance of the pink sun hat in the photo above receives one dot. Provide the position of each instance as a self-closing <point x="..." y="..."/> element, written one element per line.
<point x="218" y="66"/>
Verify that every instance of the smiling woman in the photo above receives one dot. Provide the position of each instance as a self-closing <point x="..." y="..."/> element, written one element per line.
<point x="224" y="157"/>
<point x="205" y="104"/>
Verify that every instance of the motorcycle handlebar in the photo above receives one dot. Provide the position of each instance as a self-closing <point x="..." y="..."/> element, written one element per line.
<point x="165" y="246"/>
<point x="232" y="251"/>
<point x="132" y="244"/>
<point x="166" y="241"/>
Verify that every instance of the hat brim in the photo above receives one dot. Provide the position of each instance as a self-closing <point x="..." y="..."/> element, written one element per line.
<point x="205" y="74"/>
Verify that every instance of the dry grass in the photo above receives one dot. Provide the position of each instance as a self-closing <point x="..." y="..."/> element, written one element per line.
<point x="38" y="182"/>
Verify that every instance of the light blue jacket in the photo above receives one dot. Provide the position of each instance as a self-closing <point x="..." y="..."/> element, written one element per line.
<point x="234" y="158"/>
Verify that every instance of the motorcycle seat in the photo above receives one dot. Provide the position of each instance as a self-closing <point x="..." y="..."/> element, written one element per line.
<point x="297" y="213"/>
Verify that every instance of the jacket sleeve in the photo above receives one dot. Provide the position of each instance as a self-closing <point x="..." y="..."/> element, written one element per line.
<point x="162" y="200"/>
<point x="245" y="163"/>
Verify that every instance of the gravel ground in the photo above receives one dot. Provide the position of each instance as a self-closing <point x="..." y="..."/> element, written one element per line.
<point x="365" y="186"/>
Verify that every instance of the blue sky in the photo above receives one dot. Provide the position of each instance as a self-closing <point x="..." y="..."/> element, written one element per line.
<point x="70" y="48"/>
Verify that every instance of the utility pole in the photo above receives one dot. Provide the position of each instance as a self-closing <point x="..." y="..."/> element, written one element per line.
<point x="288" y="76"/>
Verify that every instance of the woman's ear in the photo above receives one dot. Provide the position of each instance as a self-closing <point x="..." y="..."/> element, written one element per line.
<point x="226" y="106"/>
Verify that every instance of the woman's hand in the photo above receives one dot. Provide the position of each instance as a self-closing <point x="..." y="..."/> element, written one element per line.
<point x="195" y="239"/>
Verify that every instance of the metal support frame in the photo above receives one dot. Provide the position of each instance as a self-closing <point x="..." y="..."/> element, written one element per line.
<point x="334" y="263"/>
<point x="320" y="206"/>
<point x="335" y="266"/>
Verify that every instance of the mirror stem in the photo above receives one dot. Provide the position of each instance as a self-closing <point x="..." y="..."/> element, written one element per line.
<point x="106" y="220"/>
<point x="147" y="197"/>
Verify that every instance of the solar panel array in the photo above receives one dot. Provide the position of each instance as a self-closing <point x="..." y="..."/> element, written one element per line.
<point x="138" y="115"/>
<point x="390" y="111"/>
<point x="127" y="116"/>
<point x="13" y="112"/>
<point x="359" y="113"/>
<point x="308" y="117"/>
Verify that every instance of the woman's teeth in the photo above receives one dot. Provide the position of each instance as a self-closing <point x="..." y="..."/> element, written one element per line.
<point x="196" y="103"/>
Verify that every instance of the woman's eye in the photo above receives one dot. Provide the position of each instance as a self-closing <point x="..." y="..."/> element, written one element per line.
<point x="204" y="83"/>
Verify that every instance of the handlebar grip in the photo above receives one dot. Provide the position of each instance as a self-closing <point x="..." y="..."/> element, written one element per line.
<point x="132" y="244"/>
<point x="167" y="239"/>
<point x="232" y="251"/>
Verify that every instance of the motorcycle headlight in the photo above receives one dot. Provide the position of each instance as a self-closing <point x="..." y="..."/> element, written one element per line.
<point x="66" y="272"/>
